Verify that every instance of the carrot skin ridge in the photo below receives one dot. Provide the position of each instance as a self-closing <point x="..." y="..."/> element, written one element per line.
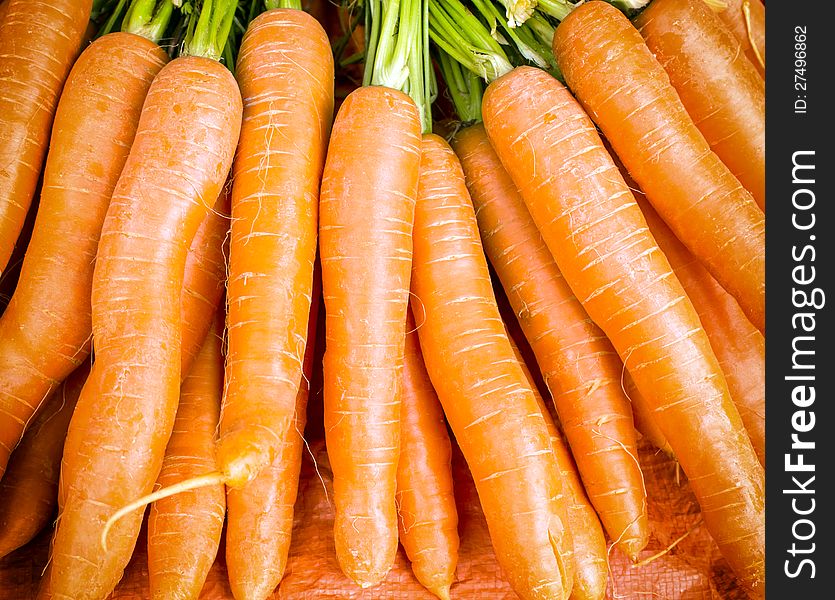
<point x="39" y="41"/>
<point x="427" y="516"/>
<point x="627" y="93"/>
<point x="185" y="142"/>
<point x="738" y="345"/>
<point x="600" y="241"/>
<point x="366" y="212"/>
<point x="486" y="399"/>
<point x="579" y="364"/>
<point x="45" y="335"/>
<point x="259" y="533"/>
<point x="720" y="88"/>
<point x="184" y="530"/>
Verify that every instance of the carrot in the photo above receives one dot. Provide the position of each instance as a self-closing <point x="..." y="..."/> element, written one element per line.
<point x="627" y="93"/>
<point x="116" y="441"/>
<point x="366" y="214"/>
<point x="204" y="280"/>
<point x="600" y="241"/>
<point x="30" y="487"/>
<point x="184" y="531"/>
<point x="721" y="90"/>
<point x="644" y="421"/>
<point x="286" y="76"/>
<point x="739" y="347"/>
<point x="579" y="365"/>
<point x="260" y="514"/>
<point x="487" y="401"/>
<point x="39" y="41"/>
<point x="591" y="569"/>
<point x="427" y="517"/>
<point x="45" y="335"/>
<point x="285" y="70"/>
<point x="43" y="442"/>
<point x="746" y="19"/>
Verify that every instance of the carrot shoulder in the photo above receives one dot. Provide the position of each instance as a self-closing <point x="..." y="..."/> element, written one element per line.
<point x="626" y="92"/>
<point x="45" y="335"/>
<point x="117" y="437"/>
<point x="600" y="241"/>
<point x="717" y="84"/>
<point x="367" y="205"/>
<point x="39" y="41"/>
<point x="487" y="400"/>
<point x="579" y="364"/>
<point x="427" y="517"/>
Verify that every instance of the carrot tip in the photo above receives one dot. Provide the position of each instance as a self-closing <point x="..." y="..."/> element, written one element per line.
<point x="441" y="592"/>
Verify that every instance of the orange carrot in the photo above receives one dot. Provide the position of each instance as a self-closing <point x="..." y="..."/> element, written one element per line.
<point x="44" y="335"/>
<point x="39" y="41"/>
<point x="591" y="569"/>
<point x="645" y="423"/>
<point x="600" y="241"/>
<point x="180" y="156"/>
<point x="184" y="530"/>
<point x="427" y="517"/>
<point x="204" y="280"/>
<point x="260" y="514"/>
<point x="627" y="93"/>
<point x="579" y="365"/>
<point x="30" y="487"/>
<point x="366" y="214"/>
<point x="718" y="86"/>
<point x="746" y="19"/>
<point x="487" y="400"/>
<point x="739" y="347"/>
<point x="43" y="443"/>
<point x="286" y="75"/>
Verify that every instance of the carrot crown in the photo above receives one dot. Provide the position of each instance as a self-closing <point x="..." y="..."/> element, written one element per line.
<point x="208" y="28"/>
<point x="397" y="51"/>
<point x="148" y="18"/>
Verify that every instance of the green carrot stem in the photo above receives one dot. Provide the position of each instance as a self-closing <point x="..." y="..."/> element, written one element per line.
<point x="465" y="88"/>
<point x="396" y="45"/>
<point x="558" y="9"/>
<point x="115" y="15"/>
<point x="148" y="18"/>
<point x="467" y="40"/>
<point x="208" y="29"/>
<point x="271" y="4"/>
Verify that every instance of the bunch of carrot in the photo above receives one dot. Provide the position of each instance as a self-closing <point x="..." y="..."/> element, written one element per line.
<point x="198" y="198"/>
